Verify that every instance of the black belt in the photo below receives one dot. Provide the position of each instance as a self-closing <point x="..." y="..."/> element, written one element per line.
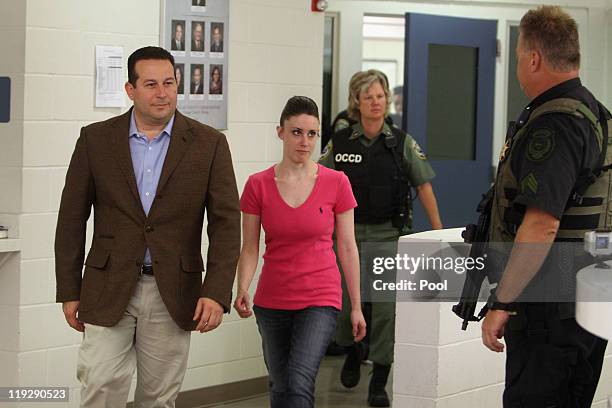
<point x="146" y="270"/>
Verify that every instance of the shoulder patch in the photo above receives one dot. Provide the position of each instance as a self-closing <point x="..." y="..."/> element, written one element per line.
<point x="540" y="145"/>
<point x="418" y="151"/>
<point x="529" y="185"/>
<point x="327" y="150"/>
<point x="341" y="124"/>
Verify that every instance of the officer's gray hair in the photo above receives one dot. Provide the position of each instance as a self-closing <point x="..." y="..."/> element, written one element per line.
<point x="554" y="33"/>
<point x="360" y="82"/>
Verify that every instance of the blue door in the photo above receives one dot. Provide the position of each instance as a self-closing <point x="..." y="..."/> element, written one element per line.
<point x="448" y="108"/>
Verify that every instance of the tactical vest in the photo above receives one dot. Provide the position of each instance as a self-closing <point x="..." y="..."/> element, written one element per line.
<point x="589" y="207"/>
<point x="379" y="185"/>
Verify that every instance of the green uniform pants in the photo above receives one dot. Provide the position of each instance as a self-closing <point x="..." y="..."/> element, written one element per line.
<point x="379" y="240"/>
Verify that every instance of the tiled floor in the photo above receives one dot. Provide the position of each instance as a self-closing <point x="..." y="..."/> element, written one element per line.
<point x="329" y="392"/>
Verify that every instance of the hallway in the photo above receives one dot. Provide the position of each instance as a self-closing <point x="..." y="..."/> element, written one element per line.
<point x="329" y="391"/>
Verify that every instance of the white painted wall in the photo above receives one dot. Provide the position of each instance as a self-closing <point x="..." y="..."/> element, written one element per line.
<point x="386" y="49"/>
<point x="608" y="53"/>
<point x="275" y="52"/>
<point x="12" y="45"/>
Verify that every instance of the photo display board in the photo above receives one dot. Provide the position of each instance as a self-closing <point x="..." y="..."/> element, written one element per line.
<point x="196" y="34"/>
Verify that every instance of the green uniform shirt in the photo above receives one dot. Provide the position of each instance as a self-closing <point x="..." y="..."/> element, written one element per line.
<point x="415" y="164"/>
<point x="414" y="160"/>
<point x="378" y="240"/>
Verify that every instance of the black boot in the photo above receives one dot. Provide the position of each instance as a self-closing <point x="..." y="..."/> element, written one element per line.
<point x="377" y="396"/>
<point x="351" y="370"/>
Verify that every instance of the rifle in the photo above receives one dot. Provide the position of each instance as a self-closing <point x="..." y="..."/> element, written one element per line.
<point x="477" y="235"/>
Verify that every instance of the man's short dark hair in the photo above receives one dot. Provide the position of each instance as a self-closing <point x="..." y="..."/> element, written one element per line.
<point x="554" y="33"/>
<point x="146" y="53"/>
<point x="299" y="105"/>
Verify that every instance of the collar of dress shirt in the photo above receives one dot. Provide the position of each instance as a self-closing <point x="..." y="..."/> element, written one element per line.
<point x="134" y="129"/>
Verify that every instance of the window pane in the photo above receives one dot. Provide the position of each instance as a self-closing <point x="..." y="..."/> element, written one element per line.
<point x="451" y="102"/>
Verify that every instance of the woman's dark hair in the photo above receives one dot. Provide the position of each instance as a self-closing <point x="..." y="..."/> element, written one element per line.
<point x="146" y="53"/>
<point x="298" y="105"/>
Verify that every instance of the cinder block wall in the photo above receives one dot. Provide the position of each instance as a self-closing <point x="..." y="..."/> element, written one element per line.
<point x="275" y="52"/>
<point x="608" y="52"/>
<point x="12" y="64"/>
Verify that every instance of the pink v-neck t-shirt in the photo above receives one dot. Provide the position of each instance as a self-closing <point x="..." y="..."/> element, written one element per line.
<point x="299" y="267"/>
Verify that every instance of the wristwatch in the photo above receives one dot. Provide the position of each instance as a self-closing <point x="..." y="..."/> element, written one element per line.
<point x="494" y="304"/>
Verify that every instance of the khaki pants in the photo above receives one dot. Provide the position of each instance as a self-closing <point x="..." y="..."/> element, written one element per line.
<point x="147" y="338"/>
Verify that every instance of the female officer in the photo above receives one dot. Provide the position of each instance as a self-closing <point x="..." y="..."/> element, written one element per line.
<point x="382" y="163"/>
<point x="299" y="295"/>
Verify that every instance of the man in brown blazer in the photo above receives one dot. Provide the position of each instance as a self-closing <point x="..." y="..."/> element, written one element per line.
<point x="151" y="174"/>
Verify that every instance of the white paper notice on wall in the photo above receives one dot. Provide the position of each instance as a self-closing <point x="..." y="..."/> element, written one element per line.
<point x="109" y="77"/>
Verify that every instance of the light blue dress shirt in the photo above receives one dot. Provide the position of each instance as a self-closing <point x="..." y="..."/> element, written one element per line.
<point x="148" y="159"/>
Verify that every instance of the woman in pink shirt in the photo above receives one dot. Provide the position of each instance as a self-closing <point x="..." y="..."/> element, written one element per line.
<point x="298" y="203"/>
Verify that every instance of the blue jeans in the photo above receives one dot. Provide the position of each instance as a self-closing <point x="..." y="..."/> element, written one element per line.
<point x="294" y="343"/>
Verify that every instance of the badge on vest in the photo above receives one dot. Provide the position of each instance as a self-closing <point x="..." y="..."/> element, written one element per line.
<point x="504" y="151"/>
<point x="326" y="151"/>
<point x="541" y="145"/>
<point x="348" y="158"/>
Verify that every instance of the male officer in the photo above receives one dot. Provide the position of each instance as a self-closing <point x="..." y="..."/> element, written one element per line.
<point x="381" y="162"/>
<point x="541" y="196"/>
<point x="150" y="174"/>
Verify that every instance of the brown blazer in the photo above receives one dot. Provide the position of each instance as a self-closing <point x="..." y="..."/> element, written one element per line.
<point x="197" y="177"/>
